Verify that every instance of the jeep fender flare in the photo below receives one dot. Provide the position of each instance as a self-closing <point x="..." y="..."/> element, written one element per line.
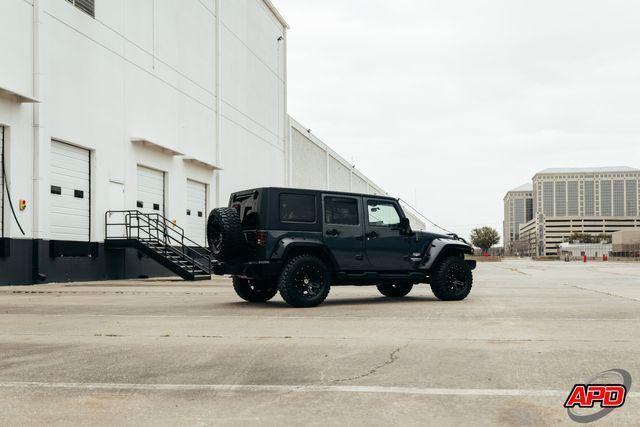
<point x="290" y="245"/>
<point x="441" y="248"/>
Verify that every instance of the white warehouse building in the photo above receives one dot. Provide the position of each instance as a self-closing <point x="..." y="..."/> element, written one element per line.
<point x="164" y="107"/>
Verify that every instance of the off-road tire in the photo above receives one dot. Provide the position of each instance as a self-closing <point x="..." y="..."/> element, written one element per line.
<point x="224" y="234"/>
<point x="395" y="290"/>
<point x="304" y="281"/>
<point x="452" y="279"/>
<point x="253" y="290"/>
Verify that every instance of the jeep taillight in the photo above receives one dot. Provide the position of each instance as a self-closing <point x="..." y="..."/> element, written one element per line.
<point x="261" y="238"/>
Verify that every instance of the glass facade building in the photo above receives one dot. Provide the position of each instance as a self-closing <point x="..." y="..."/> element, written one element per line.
<point x="599" y="192"/>
<point x="570" y="200"/>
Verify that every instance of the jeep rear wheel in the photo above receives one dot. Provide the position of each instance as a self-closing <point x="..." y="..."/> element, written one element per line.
<point x="224" y="234"/>
<point x="253" y="290"/>
<point x="395" y="290"/>
<point x="452" y="279"/>
<point x="304" y="282"/>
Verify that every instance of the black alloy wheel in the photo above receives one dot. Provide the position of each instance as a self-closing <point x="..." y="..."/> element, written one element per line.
<point x="253" y="290"/>
<point x="304" y="281"/>
<point x="452" y="279"/>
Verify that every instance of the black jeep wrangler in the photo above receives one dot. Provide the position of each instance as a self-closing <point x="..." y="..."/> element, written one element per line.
<point x="300" y="242"/>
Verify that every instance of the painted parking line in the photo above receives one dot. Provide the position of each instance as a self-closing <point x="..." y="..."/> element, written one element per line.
<point x="295" y="389"/>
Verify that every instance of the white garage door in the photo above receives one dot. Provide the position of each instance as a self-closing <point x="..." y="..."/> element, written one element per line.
<point x="70" y="193"/>
<point x="150" y="191"/>
<point x="196" y="211"/>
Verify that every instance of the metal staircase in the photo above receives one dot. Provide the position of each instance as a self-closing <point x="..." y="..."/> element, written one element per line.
<point x="159" y="239"/>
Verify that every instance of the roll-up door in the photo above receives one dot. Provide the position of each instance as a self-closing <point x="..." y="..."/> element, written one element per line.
<point x="196" y="211"/>
<point x="150" y="191"/>
<point x="69" y="193"/>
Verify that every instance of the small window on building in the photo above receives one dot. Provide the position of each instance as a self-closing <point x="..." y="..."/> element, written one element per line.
<point x="382" y="214"/>
<point x="78" y="194"/>
<point x="140" y="204"/>
<point x="156" y="207"/>
<point x="199" y="214"/>
<point x="56" y="190"/>
<point x="297" y="208"/>
<point x="188" y="212"/>
<point x="87" y="6"/>
<point x="341" y="211"/>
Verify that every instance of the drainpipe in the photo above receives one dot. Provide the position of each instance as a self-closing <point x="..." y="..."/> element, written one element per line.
<point x="288" y="143"/>
<point x="218" y="100"/>
<point x="37" y="135"/>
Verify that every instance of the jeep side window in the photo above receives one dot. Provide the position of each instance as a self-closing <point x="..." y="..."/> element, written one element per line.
<point x="382" y="214"/>
<point x="340" y="211"/>
<point x="297" y="207"/>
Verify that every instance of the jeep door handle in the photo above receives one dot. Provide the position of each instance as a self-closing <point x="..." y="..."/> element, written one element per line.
<point x="371" y="235"/>
<point x="333" y="232"/>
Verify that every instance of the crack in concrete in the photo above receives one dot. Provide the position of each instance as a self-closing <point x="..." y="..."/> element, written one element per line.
<point x="393" y="356"/>
<point x="603" y="293"/>
<point x="515" y="270"/>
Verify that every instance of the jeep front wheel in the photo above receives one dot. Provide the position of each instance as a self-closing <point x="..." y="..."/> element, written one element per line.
<point x="451" y="279"/>
<point x="395" y="290"/>
<point x="304" y="282"/>
<point x="253" y="290"/>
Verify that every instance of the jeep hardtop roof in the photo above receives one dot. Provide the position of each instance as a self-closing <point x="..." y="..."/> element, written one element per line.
<point x="310" y="190"/>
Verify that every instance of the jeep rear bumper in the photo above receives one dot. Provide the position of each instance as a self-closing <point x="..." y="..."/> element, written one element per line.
<point x="251" y="270"/>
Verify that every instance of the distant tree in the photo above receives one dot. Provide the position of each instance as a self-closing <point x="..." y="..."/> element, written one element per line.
<point x="484" y="237"/>
<point x="578" y="237"/>
<point x="604" y="238"/>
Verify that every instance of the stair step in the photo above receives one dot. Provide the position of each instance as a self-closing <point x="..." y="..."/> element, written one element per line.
<point x="157" y="244"/>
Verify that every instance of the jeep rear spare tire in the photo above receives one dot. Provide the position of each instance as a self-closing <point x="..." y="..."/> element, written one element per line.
<point x="224" y="234"/>
<point x="452" y="279"/>
<point x="304" y="281"/>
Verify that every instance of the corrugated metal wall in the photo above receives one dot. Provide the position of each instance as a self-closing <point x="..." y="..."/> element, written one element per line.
<point x="315" y="165"/>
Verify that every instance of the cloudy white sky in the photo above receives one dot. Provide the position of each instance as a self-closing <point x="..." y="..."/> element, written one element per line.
<point x="454" y="102"/>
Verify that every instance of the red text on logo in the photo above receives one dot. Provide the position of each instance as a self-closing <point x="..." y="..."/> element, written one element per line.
<point x="586" y="395"/>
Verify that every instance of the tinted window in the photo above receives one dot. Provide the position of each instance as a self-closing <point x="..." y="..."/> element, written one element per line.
<point x="382" y="214"/>
<point x="247" y="206"/>
<point x="297" y="208"/>
<point x="341" y="211"/>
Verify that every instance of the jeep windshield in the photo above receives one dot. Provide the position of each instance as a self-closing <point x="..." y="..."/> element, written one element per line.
<point x="247" y="206"/>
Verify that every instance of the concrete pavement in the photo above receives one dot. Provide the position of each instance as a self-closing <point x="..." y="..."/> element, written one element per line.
<point x="157" y="352"/>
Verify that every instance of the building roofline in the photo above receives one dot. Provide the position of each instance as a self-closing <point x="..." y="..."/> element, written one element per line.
<point x="276" y="13"/>
<point x="304" y="131"/>
<point x="524" y="188"/>
<point x="587" y="170"/>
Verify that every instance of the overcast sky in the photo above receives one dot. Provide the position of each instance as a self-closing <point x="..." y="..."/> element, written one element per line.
<point x="452" y="103"/>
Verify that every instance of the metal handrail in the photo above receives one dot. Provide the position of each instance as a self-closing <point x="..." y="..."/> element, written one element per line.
<point x="159" y="229"/>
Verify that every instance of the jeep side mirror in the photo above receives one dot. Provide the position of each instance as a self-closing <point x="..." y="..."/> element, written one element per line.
<point x="405" y="226"/>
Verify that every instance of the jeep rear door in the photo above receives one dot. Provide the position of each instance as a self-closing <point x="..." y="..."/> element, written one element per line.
<point x="386" y="248"/>
<point x="343" y="230"/>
